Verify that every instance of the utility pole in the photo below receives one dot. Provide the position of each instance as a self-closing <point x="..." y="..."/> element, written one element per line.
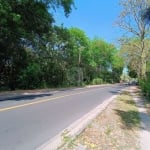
<point x="80" y="73"/>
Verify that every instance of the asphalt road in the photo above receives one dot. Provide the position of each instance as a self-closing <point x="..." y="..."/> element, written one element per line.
<point x="28" y="122"/>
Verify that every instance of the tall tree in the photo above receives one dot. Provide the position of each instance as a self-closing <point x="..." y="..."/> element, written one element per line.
<point x="131" y="20"/>
<point x="104" y="58"/>
<point x="80" y="43"/>
<point x="132" y="55"/>
<point x="23" y="24"/>
<point x="117" y="65"/>
<point x="54" y="59"/>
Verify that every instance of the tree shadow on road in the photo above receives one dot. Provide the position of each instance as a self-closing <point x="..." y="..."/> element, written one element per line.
<point x="115" y="92"/>
<point x="24" y="97"/>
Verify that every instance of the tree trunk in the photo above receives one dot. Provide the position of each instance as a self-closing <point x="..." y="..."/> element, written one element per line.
<point x="143" y="59"/>
<point x="143" y="67"/>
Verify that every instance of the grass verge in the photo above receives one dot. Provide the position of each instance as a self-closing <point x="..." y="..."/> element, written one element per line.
<point x="116" y="128"/>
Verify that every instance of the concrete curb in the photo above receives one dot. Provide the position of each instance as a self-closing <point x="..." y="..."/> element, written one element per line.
<point x="75" y="128"/>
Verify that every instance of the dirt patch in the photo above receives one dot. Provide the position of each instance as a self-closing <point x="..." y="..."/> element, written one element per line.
<point x="116" y="128"/>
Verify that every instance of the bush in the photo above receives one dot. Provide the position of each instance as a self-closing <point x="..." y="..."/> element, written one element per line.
<point x="97" y="81"/>
<point x="145" y="86"/>
<point x="30" y="77"/>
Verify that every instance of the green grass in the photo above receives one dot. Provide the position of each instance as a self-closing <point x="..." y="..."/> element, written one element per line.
<point x="128" y="111"/>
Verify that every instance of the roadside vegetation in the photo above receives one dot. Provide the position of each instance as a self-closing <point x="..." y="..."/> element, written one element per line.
<point x="145" y="86"/>
<point x="134" y="19"/>
<point x="36" y="53"/>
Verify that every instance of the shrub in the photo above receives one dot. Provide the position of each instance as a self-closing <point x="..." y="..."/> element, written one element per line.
<point x="97" y="81"/>
<point x="30" y="77"/>
<point x="145" y="86"/>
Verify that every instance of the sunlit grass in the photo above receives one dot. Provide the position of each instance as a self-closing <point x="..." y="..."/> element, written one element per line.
<point x="127" y="110"/>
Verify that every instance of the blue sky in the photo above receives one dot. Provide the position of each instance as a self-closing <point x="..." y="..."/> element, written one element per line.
<point x="95" y="17"/>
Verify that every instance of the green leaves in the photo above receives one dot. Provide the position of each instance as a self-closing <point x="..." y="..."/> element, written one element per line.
<point x="131" y="20"/>
<point x="30" y="77"/>
<point x="35" y="52"/>
<point x="24" y="24"/>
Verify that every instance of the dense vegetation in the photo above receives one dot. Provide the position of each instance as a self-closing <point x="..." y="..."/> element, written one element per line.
<point x="145" y="83"/>
<point x="35" y="53"/>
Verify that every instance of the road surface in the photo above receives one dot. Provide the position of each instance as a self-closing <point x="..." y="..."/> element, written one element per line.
<point x="28" y="122"/>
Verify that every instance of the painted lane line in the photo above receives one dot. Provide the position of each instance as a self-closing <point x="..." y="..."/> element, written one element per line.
<point x="40" y="101"/>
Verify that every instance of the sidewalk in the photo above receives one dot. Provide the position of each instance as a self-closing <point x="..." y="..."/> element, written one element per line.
<point x="145" y="120"/>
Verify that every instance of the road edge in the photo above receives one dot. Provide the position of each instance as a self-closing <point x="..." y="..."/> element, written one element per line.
<point x="75" y="128"/>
